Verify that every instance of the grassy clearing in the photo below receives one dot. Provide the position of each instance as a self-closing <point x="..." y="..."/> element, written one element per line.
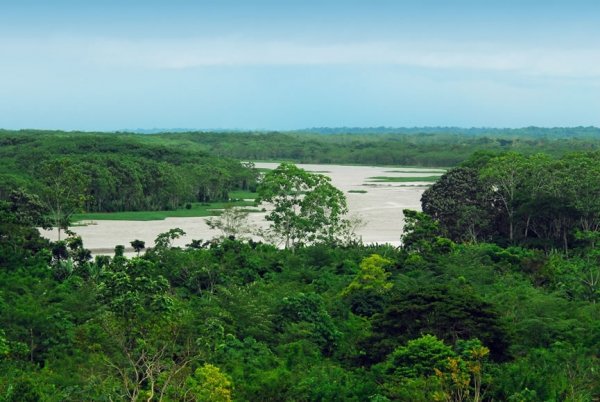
<point x="197" y="210"/>
<point x="392" y="179"/>
<point x="357" y="191"/>
<point x="242" y="195"/>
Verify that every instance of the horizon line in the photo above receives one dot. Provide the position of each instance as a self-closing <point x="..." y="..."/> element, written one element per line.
<point x="160" y="130"/>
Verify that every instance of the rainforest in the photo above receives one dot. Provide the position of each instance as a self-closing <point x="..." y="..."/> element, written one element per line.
<point x="491" y="292"/>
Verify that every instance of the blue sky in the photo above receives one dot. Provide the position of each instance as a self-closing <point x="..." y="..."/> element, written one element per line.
<point x="109" y="65"/>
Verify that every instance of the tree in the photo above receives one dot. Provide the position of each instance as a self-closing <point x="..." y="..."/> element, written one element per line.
<point x="63" y="192"/>
<point x="463" y="377"/>
<point x="461" y="204"/>
<point x="448" y="313"/>
<point x="419" y="357"/>
<point x="581" y="180"/>
<point x="306" y="208"/>
<point x="138" y="245"/>
<point x="233" y="222"/>
<point x="423" y="235"/>
<point x="367" y="290"/>
<point x="19" y="238"/>
<point x="119" y="250"/>
<point x="428" y="369"/>
<point x="147" y="342"/>
<point x="304" y="315"/>
<point x="213" y="183"/>
<point x="208" y="384"/>
<point x="505" y="175"/>
<point x="164" y="241"/>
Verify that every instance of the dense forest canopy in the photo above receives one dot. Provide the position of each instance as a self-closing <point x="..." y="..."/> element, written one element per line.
<point x="421" y="147"/>
<point x="442" y="147"/>
<point x="515" y="199"/>
<point x="117" y="172"/>
<point x="493" y="295"/>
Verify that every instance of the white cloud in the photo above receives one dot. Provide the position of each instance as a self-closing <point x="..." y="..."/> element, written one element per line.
<point x="576" y="62"/>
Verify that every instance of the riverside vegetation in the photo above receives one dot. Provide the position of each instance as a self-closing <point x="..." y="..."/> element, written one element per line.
<point x="492" y="296"/>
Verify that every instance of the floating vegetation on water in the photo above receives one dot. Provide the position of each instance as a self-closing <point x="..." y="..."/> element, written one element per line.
<point x="392" y="179"/>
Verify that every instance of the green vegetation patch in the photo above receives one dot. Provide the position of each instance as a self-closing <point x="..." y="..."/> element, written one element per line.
<point x="298" y="320"/>
<point x="437" y="171"/>
<point x="358" y="191"/>
<point x="242" y="195"/>
<point x="392" y="179"/>
<point x="197" y="210"/>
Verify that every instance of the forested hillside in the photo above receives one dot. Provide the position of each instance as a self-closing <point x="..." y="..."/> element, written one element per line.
<point x="492" y="297"/>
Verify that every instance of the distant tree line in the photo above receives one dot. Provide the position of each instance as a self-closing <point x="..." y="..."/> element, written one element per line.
<point x="117" y="172"/>
<point x="430" y="147"/>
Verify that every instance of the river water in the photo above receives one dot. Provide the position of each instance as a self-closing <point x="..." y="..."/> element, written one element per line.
<point x="380" y="210"/>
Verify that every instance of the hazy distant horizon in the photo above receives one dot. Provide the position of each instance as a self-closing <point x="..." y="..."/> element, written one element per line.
<point x="167" y="130"/>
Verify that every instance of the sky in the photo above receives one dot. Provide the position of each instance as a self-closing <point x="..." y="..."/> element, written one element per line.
<point x="281" y="65"/>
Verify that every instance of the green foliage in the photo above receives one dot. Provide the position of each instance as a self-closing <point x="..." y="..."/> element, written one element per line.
<point x="132" y="290"/>
<point x="110" y="172"/>
<point x="516" y="199"/>
<point x="208" y="384"/>
<point x="560" y="372"/>
<point x="4" y="348"/>
<point x="419" y="357"/>
<point x="283" y="332"/>
<point x="330" y="382"/>
<point x="436" y="146"/>
<point x="304" y="316"/>
<point x="461" y="203"/>
<point x="119" y="250"/>
<point x="165" y="240"/>
<point x="63" y="192"/>
<point x="306" y="208"/>
<point x="450" y="314"/>
<point x="146" y="340"/>
<point x="367" y="291"/>
<point x="371" y="277"/>
<point x="20" y="242"/>
<point x="24" y="390"/>
<point x="427" y="369"/>
<point x="422" y="235"/>
<point x="138" y="245"/>
<point x="196" y="210"/>
<point x="408" y="179"/>
<point x="324" y="321"/>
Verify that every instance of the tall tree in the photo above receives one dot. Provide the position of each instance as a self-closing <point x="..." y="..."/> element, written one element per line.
<point x="504" y="175"/>
<point x="63" y="192"/>
<point x="233" y="223"/>
<point x="306" y="207"/>
<point x="19" y="217"/>
<point x="147" y="341"/>
<point x="461" y="203"/>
